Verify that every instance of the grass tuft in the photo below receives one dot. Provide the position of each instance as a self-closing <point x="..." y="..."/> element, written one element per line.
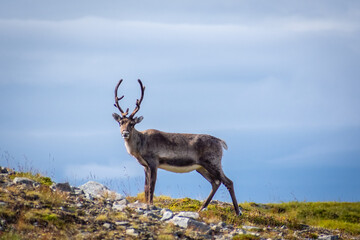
<point x="245" y="237"/>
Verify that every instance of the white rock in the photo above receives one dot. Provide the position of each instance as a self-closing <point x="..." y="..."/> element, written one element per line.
<point x="107" y="225"/>
<point x="193" y="215"/>
<point x="180" y="221"/>
<point x="94" y="189"/>
<point x="122" y="223"/>
<point x="167" y="215"/>
<point x="328" y="237"/>
<point x="132" y="232"/>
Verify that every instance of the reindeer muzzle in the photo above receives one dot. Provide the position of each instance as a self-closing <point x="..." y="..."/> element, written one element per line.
<point x="125" y="134"/>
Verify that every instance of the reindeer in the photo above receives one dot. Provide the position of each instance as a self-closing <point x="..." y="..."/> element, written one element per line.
<point x="175" y="152"/>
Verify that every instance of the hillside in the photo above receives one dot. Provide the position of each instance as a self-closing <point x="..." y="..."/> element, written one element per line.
<point x="33" y="207"/>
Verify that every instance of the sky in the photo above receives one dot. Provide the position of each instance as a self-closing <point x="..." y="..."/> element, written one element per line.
<point x="279" y="81"/>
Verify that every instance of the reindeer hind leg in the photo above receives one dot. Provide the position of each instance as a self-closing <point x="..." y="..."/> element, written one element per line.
<point x="215" y="183"/>
<point x="230" y="186"/>
<point x="216" y="172"/>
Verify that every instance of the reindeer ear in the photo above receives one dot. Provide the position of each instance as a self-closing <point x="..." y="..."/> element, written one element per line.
<point x="138" y="119"/>
<point x="116" y="117"/>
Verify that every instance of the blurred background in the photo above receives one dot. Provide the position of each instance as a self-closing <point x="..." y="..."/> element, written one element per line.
<point x="278" y="81"/>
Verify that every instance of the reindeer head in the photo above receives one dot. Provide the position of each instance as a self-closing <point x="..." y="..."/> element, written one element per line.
<point x="127" y="123"/>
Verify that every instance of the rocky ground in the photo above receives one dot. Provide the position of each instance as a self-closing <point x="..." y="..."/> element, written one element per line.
<point x="41" y="209"/>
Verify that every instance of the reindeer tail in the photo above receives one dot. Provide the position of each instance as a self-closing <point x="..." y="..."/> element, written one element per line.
<point x="223" y="144"/>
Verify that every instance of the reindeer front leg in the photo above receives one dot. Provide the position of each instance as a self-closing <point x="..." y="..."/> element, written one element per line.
<point x="150" y="180"/>
<point x="147" y="186"/>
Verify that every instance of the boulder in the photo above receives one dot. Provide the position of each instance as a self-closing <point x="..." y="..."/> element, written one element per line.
<point x="25" y="181"/>
<point x="180" y="221"/>
<point x="97" y="190"/>
<point x="65" y="187"/>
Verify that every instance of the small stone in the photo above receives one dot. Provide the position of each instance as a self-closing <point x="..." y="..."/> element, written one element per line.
<point x="132" y="232"/>
<point x="107" y="225"/>
<point x="122" y="223"/>
<point x="328" y="237"/>
<point x="193" y="215"/>
<point x="167" y="215"/>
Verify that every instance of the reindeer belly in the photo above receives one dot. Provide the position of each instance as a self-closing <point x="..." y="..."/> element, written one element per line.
<point x="178" y="165"/>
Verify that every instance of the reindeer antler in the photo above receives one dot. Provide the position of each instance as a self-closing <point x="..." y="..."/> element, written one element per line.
<point x="138" y="102"/>
<point x="118" y="99"/>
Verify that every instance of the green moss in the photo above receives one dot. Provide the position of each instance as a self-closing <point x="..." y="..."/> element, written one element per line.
<point x="7" y="214"/>
<point x="44" y="217"/>
<point x="245" y="237"/>
<point x="332" y="215"/>
<point x="10" y="236"/>
<point x="185" y="204"/>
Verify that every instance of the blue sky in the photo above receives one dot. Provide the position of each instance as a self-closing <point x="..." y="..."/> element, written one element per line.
<point x="278" y="81"/>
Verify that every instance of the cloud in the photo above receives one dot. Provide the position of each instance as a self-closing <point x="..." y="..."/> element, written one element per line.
<point x="321" y="154"/>
<point x="100" y="31"/>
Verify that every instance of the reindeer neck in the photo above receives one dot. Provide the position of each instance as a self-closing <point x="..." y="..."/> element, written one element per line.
<point x="133" y="142"/>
